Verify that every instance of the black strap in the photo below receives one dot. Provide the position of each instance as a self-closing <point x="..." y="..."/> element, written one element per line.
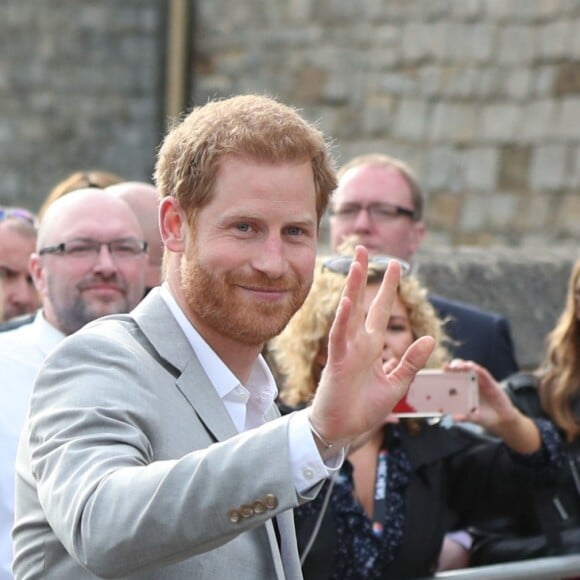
<point x="550" y="521"/>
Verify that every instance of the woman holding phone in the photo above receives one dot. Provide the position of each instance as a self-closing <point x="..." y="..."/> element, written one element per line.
<point x="553" y="391"/>
<point x="409" y="483"/>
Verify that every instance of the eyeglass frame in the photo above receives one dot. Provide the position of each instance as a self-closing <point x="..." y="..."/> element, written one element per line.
<point x="373" y="208"/>
<point x="377" y="263"/>
<point x="61" y="249"/>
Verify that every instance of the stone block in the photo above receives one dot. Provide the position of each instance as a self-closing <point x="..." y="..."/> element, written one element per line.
<point x="566" y="216"/>
<point x="441" y="165"/>
<point x="548" y="167"/>
<point x="501" y="123"/>
<point x="554" y="39"/>
<point x="377" y="116"/>
<point x="454" y="122"/>
<point x="411" y="119"/>
<point x="516" y="45"/>
<point x="567" y="126"/>
<point x="526" y="286"/>
<point x="575" y="41"/>
<point x="517" y="84"/>
<point x="474" y="215"/>
<point x="481" y="168"/>
<point x="443" y="211"/>
<point x="567" y="78"/>
<point x="540" y="119"/>
<point x="514" y="166"/>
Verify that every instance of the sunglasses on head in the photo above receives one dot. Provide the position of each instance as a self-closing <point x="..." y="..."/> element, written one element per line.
<point x="378" y="264"/>
<point x="17" y="213"/>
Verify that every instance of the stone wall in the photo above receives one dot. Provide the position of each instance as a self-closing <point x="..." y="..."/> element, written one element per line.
<point x="529" y="289"/>
<point x="80" y="88"/>
<point x="481" y="97"/>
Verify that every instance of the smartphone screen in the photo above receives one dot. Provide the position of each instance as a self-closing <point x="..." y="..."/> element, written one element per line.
<point x="436" y="392"/>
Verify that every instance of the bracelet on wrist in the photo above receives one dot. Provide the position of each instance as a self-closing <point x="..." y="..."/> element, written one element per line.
<point x="325" y="442"/>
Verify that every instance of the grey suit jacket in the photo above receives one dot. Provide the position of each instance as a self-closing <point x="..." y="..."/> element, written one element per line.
<point x="130" y="466"/>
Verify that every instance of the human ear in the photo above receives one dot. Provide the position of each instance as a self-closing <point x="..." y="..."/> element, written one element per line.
<point x="172" y="224"/>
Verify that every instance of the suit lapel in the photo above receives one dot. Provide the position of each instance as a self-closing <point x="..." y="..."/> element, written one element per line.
<point x="171" y="346"/>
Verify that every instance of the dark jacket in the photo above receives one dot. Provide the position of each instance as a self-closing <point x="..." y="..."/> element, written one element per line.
<point x="481" y="336"/>
<point x="456" y="478"/>
<point x="552" y="526"/>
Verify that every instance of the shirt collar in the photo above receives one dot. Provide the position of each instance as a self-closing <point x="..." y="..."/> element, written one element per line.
<point x="260" y="383"/>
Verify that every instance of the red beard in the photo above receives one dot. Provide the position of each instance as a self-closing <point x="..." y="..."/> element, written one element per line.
<point x="222" y="305"/>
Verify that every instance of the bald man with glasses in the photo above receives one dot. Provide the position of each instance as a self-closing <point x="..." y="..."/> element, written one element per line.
<point x="90" y="261"/>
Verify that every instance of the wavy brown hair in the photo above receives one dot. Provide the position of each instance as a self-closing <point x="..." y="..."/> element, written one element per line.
<point x="295" y="351"/>
<point x="560" y="374"/>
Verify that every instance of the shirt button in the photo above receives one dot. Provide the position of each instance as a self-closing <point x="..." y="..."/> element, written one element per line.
<point x="308" y="473"/>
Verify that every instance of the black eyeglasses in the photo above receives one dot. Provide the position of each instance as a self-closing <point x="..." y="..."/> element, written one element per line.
<point x="377" y="264"/>
<point x="17" y="213"/>
<point x="380" y="212"/>
<point x="124" y="249"/>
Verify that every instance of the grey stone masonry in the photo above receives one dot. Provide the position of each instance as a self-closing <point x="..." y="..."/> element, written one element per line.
<point x="480" y="97"/>
<point x="529" y="288"/>
<point x="80" y="88"/>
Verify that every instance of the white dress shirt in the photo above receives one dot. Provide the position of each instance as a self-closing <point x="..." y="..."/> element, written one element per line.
<point x="22" y="351"/>
<point x="247" y="404"/>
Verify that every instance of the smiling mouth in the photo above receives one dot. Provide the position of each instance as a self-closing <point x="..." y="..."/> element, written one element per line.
<point x="266" y="292"/>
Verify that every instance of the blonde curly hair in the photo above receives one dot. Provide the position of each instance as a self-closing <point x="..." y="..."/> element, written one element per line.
<point x="295" y="352"/>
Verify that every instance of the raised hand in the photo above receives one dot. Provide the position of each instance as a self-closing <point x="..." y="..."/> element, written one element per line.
<point x="355" y="393"/>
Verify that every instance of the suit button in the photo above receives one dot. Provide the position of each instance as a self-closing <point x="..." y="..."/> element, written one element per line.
<point x="259" y="507"/>
<point x="271" y="501"/>
<point x="246" y="511"/>
<point x="234" y="516"/>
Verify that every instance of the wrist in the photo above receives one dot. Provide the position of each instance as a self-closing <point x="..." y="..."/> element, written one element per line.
<point x="326" y="446"/>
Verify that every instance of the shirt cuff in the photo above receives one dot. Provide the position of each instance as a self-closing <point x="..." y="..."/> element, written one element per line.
<point x="308" y="467"/>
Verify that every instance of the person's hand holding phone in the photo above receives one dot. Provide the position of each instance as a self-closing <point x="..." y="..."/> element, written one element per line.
<point x="497" y="413"/>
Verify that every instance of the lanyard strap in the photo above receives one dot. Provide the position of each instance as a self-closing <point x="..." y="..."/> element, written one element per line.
<point x="380" y="504"/>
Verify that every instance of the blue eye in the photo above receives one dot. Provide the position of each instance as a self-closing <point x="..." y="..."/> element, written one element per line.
<point x="243" y="227"/>
<point x="294" y="231"/>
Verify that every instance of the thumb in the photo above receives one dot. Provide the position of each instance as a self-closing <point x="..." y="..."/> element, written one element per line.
<point x="414" y="359"/>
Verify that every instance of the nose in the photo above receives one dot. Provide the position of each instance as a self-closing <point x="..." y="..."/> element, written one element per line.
<point x="270" y="257"/>
<point x="104" y="262"/>
<point x="362" y="222"/>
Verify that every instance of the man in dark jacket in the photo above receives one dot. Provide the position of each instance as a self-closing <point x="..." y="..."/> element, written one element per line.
<point x="380" y="202"/>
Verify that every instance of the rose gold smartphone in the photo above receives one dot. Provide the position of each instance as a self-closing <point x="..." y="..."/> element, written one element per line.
<point x="436" y="392"/>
